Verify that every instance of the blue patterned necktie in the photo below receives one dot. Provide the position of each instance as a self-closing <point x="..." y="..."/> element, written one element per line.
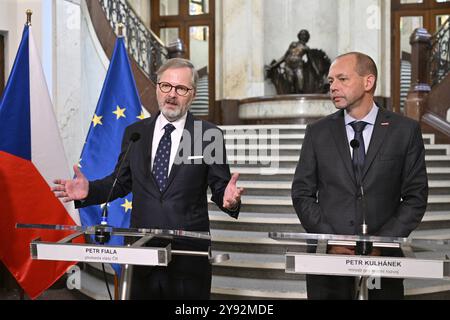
<point x="162" y="158"/>
<point x="358" y="159"/>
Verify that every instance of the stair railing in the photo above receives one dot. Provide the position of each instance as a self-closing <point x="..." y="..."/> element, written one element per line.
<point x="440" y="54"/>
<point x="143" y="45"/>
<point x="429" y="98"/>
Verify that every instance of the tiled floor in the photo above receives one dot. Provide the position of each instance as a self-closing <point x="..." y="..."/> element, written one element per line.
<point x="51" y="294"/>
<point x="58" y="291"/>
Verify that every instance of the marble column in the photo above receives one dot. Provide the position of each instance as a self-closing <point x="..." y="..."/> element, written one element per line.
<point x="241" y="65"/>
<point x="67" y="77"/>
<point x="364" y="25"/>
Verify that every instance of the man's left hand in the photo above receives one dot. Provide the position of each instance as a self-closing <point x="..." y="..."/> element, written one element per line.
<point x="232" y="194"/>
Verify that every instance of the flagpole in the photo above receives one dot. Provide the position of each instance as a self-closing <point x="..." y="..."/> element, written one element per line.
<point x="120" y="27"/>
<point x="29" y="12"/>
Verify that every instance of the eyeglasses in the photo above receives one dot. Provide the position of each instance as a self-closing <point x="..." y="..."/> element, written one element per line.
<point x="180" y="90"/>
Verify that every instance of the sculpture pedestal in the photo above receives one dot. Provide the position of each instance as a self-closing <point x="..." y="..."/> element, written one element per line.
<point x="302" y="108"/>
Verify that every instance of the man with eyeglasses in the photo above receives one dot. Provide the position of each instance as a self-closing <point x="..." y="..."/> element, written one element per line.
<point x="169" y="170"/>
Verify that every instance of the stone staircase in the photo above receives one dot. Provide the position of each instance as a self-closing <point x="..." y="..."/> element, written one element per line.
<point x="405" y="82"/>
<point x="200" y="104"/>
<point x="256" y="267"/>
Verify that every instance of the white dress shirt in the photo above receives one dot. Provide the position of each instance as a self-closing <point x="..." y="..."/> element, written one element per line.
<point x="368" y="130"/>
<point x="175" y="136"/>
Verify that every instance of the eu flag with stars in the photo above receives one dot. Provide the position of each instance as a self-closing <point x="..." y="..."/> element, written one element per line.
<point x="118" y="107"/>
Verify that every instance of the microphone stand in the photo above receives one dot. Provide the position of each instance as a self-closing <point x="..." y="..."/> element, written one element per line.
<point x="362" y="247"/>
<point x="103" y="230"/>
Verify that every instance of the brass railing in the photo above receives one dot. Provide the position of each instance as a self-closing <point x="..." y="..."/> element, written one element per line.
<point x="143" y="45"/>
<point x="440" y="54"/>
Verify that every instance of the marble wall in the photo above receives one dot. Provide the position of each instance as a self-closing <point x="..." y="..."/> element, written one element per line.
<point x="240" y="54"/>
<point x="364" y="25"/>
<point x="251" y="33"/>
<point x="68" y="76"/>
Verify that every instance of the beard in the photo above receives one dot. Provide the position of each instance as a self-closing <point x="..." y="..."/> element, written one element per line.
<point x="175" y="113"/>
<point x="348" y="102"/>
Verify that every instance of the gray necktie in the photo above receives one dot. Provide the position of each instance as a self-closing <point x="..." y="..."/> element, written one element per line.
<point x="359" y="154"/>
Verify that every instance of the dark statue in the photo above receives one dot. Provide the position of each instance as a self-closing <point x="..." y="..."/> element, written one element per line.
<point x="301" y="69"/>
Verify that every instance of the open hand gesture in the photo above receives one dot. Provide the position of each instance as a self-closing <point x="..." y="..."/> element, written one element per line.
<point x="69" y="190"/>
<point x="232" y="195"/>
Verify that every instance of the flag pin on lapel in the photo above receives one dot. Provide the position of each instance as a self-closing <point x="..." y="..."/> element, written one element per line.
<point x="385" y="124"/>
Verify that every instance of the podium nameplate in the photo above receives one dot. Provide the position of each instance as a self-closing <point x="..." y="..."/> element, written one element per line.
<point x="100" y="253"/>
<point x="367" y="266"/>
<point x="135" y="253"/>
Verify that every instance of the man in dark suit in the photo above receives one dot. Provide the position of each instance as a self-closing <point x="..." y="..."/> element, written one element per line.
<point x="325" y="191"/>
<point x="169" y="170"/>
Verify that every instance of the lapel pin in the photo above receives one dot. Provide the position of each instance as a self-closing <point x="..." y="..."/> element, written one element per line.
<point x="385" y="123"/>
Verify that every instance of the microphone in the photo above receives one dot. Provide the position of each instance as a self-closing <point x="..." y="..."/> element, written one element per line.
<point x="354" y="144"/>
<point x="362" y="247"/>
<point x="103" y="231"/>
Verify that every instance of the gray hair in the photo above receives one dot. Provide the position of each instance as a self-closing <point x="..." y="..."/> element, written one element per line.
<point x="177" y="63"/>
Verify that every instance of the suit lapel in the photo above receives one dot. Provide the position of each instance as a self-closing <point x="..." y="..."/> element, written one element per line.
<point x="379" y="132"/>
<point x="340" y="138"/>
<point x="147" y="149"/>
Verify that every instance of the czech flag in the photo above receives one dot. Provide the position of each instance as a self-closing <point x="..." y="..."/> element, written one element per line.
<point x="31" y="157"/>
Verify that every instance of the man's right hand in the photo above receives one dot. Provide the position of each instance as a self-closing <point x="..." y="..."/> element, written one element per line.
<point x="69" y="190"/>
<point x="341" y="250"/>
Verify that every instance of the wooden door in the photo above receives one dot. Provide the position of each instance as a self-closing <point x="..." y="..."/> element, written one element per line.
<point x="192" y="21"/>
<point x="407" y="15"/>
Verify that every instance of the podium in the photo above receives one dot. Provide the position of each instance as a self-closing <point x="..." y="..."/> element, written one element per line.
<point x="127" y="255"/>
<point x="422" y="259"/>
